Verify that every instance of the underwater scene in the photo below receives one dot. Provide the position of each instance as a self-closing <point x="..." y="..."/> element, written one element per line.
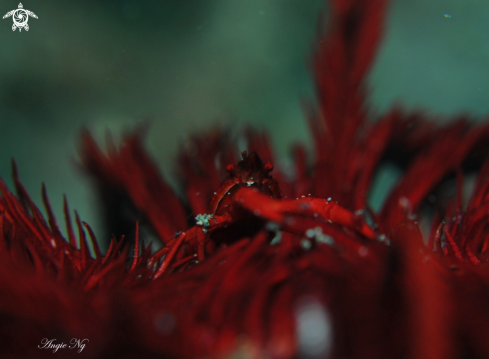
<point x="259" y="179"/>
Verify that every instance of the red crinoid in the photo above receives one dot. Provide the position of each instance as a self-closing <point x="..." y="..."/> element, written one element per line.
<point x="271" y="267"/>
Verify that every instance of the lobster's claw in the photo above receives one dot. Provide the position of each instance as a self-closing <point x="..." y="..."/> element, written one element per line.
<point x="277" y="210"/>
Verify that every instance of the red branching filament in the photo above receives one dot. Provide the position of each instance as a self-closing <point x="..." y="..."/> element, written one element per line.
<point x="270" y="267"/>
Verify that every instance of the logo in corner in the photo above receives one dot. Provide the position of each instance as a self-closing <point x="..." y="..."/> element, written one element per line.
<point x="20" y="17"/>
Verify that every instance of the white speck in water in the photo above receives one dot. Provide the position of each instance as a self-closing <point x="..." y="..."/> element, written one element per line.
<point x="320" y="237"/>
<point x="310" y="233"/>
<point x="203" y="219"/>
<point x="404" y="202"/>
<point x="363" y="251"/>
<point x="324" y="238"/>
<point x="277" y="239"/>
<point x="272" y="226"/>
<point x="306" y="244"/>
<point x="314" y="328"/>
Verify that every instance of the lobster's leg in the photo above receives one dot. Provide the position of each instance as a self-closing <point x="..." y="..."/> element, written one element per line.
<point x="169" y="257"/>
<point x="196" y="238"/>
<point x="201" y="239"/>
<point x="206" y="223"/>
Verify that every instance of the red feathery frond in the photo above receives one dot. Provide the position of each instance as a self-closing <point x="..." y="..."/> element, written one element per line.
<point x="271" y="267"/>
<point x="131" y="169"/>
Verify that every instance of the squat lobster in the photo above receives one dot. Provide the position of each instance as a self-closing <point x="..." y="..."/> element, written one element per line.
<point x="248" y="198"/>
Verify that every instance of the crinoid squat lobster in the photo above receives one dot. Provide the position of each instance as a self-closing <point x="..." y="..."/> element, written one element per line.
<point x="248" y="201"/>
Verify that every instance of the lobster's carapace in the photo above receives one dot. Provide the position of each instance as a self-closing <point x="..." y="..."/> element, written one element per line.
<point x="249" y="172"/>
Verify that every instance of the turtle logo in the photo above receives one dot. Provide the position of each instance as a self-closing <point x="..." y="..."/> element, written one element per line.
<point x="20" y="17"/>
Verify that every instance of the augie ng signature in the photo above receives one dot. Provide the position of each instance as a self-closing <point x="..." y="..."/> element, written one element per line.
<point x="74" y="344"/>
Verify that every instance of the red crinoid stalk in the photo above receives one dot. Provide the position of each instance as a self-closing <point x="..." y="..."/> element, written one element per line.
<point x="270" y="268"/>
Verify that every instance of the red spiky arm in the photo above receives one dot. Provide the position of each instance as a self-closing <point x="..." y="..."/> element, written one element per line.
<point x="201" y="166"/>
<point x="131" y="170"/>
<point x="444" y="155"/>
<point x="341" y="137"/>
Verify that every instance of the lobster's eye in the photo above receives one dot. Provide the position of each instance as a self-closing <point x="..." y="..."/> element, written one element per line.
<point x="268" y="167"/>
<point x="230" y="167"/>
